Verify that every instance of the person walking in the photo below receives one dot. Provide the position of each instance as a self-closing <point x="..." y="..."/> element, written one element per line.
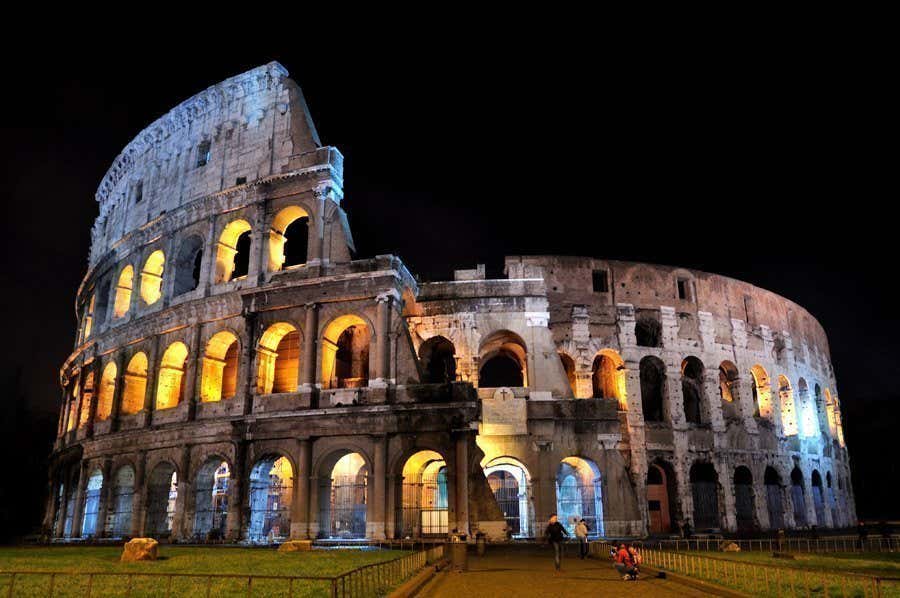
<point x="581" y="532"/>
<point x="556" y="534"/>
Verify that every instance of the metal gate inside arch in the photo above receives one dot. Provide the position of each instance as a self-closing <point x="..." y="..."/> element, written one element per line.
<point x="423" y="509"/>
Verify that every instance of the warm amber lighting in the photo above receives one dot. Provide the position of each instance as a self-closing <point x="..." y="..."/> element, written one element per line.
<point x="337" y="367"/>
<point x="106" y="391"/>
<point x="89" y="317"/>
<point x="282" y="220"/>
<point x="123" y="292"/>
<point x="151" y="277"/>
<point x="171" y="376"/>
<point x="219" y="367"/>
<point x="279" y="359"/>
<point x="227" y="249"/>
<point x="135" y="384"/>
<point x="609" y="377"/>
<point x="87" y="396"/>
<point x="763" y="390"/>
<point x="788" y="412"/>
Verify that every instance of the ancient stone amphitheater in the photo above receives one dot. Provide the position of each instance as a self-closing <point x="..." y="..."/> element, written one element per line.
<point x="240" y="375"/>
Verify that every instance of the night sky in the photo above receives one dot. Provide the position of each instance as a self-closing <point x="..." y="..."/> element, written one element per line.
<point x="765" y="166"/>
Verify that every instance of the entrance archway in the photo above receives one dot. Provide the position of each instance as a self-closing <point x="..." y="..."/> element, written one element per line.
<point x="798" y="497"/>
<point x="118" y="523"/>
<point x="661" y="497"/>
<point x="705" y="492"/>
<point x="510" y="483"/>
<point x="818" y="498"/>
<point x="92" y="497"/>
<point x="343" y="497"/>
<point x="744" y="499"/>
<point x="271" y="493"/>
<point x="578" y="495"/>
<point x="345" y="353"/>
<point x="774" y="501"/>
<point x="211" y="500"/>
<point x="423" y="507"/>
<point x="162" y="493"/>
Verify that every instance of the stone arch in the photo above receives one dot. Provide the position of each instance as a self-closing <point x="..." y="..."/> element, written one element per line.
<point x="510" y="483"/>
<point x="124" y="287"/>
<point x="744" y="499"/>
<point x="569" y="367"/>
<point x="818" y="494"/>
<point x="289" y="238"/>
<point x="87" y="397"/>
<point x="106" y="392"/>
<point x="211" y="493"/>
<point x="728" y="376"/>
<point x="278" y="355"/>
<point x="788" y="409"/>
<point x="798" y="497"/>
<point x="220" y="367"/>
<point x="762" y="392"/>
<point x="343" y="476"/>
<point x="807" y="416"/>
<point x="162" y="495"/>
<point x="271" y="495"/>
<point x="93" y="496"/>
<point x="135" y="389"/>
<point x="774" y="497"/>
<point x="692" y="389"/>
<point x="662" y="497"/>
<point x="503" y="360"/>
<point x="188" y="261"/>
<point x="608" y="377"/>
<point x="830" y="414"/>
<point x="705" y="494"/>
<point x="119" y="511"/>
<point x="438" y="358"/>
<point x="579" y="494"/>
<point x="233" y="251"/>
<point x="346" y="343"/>
<point x="170" y="386"/>
<point x="423" y="501"/>
<point x="653" y="388"/>
<point x="151" y="277"/>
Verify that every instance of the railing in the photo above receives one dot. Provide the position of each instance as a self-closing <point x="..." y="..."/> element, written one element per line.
<point x="833" y="544"/>
<point x="763" y="579"/>
<point x="370" y="580"/>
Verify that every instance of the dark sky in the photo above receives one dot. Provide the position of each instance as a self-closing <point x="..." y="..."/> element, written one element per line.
<point x="767" y="166"/>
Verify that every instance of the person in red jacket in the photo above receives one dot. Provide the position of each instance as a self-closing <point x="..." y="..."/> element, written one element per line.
<point x="625" y="563"/>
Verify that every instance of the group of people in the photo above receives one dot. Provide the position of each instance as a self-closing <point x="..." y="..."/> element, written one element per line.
<point x="627" y="559"/>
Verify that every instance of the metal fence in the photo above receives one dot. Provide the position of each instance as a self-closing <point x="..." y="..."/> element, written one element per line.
<point x="832" y="544"/>
<point x="760" y="579"/>
<point x="370" y="580"/>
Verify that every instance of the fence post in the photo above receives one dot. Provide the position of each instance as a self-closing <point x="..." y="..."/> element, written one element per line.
<point x="12" y="583"/>
<point x="52" y="583"/>
<point x="90" y="585"/>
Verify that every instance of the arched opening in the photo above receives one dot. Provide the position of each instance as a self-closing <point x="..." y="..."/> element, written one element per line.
<point x="162" y="494"/>
<point x="661" y="496"/>
<point x="806" y="408"/>
<point x="438" y="357"/>
<point x="233" y="251"/>
<point x="578" y="495"/>
<point x="271" y="492"/>
<point x="118" y="520"/>
<point x="692" y="390"/>
<point x="788" y="411"/>
<point x="423" y="505"/>
<point x="818" y="497"/>
<point x="289" y="238"/>
<point x="122" y="302"/>
<point x="92" y="496"/>
<point x="744" y="500"/>
<point x="774" y="498"/>
<point x="503" y="361"/>
<point x="151" y="277"/>
<point x="608" y="377"/>
<point x="510" y="483"/>
<point x="569" y="367"/>
<point x="187" y="265"/>
<point x="832" y="502"/>
<point x="343" y="497"/>
<point x="170" y="387"/>
<point x="279" y="359"/>
<point x="211" y="500"/>
<point x="345" y="353"/>
<point x="135" y="384"/>
<point x="798" y="497"/>
<point x="106" y="392"/>
<point x="220" y="367"/>
<point x="705" y="492"/>
<point x="762" y="392"/>
<point x="648" y="332"/>
<point x="728" y="375"/>
<point x="830" y="414"/>
<point x="70" y="504"/>
<point x="653" y="379"/>
<point x="87" y="397"/>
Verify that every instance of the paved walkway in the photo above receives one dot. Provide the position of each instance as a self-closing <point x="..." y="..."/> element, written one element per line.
<point x="517" y="572"/>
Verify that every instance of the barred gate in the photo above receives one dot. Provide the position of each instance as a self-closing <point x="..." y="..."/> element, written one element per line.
<point x="515" y="502"/>
<point x="743" y="503"/>
<point x="575" y="500"/>
<point x="423" y="507"/>
<point x="706" y="504"/>
<point x="346" y="513"/>
<point x="775" y="506"/>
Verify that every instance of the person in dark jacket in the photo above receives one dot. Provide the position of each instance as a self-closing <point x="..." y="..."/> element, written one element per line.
<point x="556" y="534"/>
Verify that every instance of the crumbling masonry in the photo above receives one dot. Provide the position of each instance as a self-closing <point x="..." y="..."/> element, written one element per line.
<point x="239" y="376"/>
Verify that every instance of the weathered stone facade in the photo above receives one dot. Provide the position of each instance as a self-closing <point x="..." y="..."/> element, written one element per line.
<point x="239" y="376"/>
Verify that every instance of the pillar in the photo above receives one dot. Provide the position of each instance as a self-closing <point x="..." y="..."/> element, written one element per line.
<point x="713" y="401"/>
<point x="105" y="498"/>
<point x="544" y="485"/>
<point x="376" y="509"/>
<point x="300" y="506"/>
<point x="78" y="513"/>
<point x="194" y="379"/>
<point x="65" y="478"/>
<point x="383" y="333"/>
<point x="152" y="381"/>
<point x="137" y="499"/>
<point x="321" y="195"/>
<point x="117" y="393"/>
<point x="728" y="509"/>
<point x="310" y="343"/>
<point x="462" y="482"/>
<point x="181" y="522"/>
<point x="236" y="493"/>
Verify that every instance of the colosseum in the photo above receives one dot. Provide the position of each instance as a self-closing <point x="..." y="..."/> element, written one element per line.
<point x="240" y="375"/>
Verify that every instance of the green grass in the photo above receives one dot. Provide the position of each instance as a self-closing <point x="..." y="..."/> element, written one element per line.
<point x="878" y="564"/>
<point x="173" y="559"/>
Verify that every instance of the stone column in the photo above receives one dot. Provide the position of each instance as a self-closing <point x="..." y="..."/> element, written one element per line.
<point x="78" y="515"/>
<point x="152" y="381"/>
<point x="321" y="257"/>
<point x="247" y="389"/>
<point x="193" y="377"/>
<point x="105" y="498"/>
<point x="674" y="397"/>
<point x="743" y="396"/>
<point x="117" y="393"/>
<point x="256" y="268"/>
<point x="300" y="506"/>
<point x="310" y="343"/>
<point x="462" y="482"/>
<point x="713" y="399"/>
<point x="181" y="522"/>
<point x="383" y="334"/>
<point x="728" y="510"/>
<point x="60" y="502"/>
<point x="376" y="509"/>
<point x="137" y="499"/>
<point x="236" y="493"/>
<point x="544" y="485"/>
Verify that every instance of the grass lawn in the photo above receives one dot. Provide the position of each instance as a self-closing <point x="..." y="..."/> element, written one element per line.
<point x="880" y="564"/>
<point x="174" y="559"/>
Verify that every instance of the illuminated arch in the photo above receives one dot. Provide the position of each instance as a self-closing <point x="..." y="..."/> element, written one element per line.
<point x="220" y="367"/>
<point x="343" y="490"/>
<point x="692" y="389"/>
<point x="170" y="389"/>
<point x="93" y="496"/>
<point x="124" y="286"/>
<point x="233" y="251"/>
<point x="118" y="520"/>
<point x="510" y="482"/>
<point x="423" y="498"/>
<point x="162" y="495"/>
<point x="87" y="397"/>
<point x="578" y="495"/>
<point x="211" y="491"/>
<point x="345" y="352"/>
<point x="278" y="354"/>
<point x="728" y="375"/>
<point x="271" y="494"/>
<point x="291" y="223"/>
<point x="151" y="277"/>
<point x="762" y="392"/>
<point x="503" y="360"/>
<point x="569" y="366"/>
<point x="830" y="414"/>
<point x="788" y="409"/>
<point x="106" y="392"/>
<point x="609" y="377"/>
<point x="438" y="358"/>
<point x="188" y="263"/>
<point x="135" y="384"/>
